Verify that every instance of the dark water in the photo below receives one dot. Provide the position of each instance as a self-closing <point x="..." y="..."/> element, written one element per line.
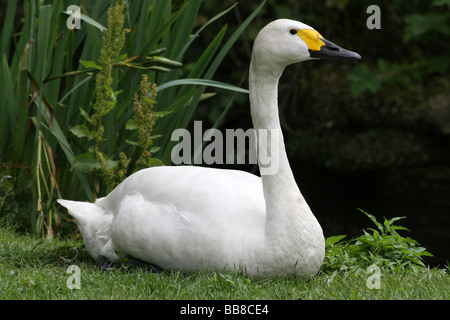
<point x="334" y="199"/>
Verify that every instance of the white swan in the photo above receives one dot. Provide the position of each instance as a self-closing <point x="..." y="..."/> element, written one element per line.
<point x="196" y="219"/>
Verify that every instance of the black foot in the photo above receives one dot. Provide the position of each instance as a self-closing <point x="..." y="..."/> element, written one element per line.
<point x="130" y="261"/>
<point x="105" y="264"/>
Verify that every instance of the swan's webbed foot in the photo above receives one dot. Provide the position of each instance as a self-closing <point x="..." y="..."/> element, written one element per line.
<point x="130" y="261"/>
<point x="105" y="264"/>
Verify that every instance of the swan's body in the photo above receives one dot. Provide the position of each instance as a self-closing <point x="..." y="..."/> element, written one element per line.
<point x="195" y="219"/>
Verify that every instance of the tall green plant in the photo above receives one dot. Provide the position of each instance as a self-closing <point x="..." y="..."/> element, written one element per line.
<point x="68" y="94"/>
<point x="105" y="98"/>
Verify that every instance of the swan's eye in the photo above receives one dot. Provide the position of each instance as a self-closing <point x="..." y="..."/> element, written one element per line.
<point x="293" y="31"/>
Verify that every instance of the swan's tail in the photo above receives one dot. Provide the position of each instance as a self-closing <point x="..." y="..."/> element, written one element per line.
<point x="82" y="212"/>
<point x="92" y="222"/>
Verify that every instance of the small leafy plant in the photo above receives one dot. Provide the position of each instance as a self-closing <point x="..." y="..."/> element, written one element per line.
<point x="382" y="246"/>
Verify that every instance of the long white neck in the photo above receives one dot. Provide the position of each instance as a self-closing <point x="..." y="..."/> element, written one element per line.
<point x="286" y="209"/>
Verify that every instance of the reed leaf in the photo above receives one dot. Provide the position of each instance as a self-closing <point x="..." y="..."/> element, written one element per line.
<point x="47" y="93"/>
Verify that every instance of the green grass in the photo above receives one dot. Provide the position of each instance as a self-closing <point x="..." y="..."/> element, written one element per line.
<point x="32" y="268"/>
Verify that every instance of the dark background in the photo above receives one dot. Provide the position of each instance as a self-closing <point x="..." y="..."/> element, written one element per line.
<point x="371" y="134"/>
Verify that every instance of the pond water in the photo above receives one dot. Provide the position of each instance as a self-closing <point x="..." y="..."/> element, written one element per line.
<point x="426" y="206"/>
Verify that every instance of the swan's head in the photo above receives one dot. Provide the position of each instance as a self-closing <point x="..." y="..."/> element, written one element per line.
<point x="283" y="42"/>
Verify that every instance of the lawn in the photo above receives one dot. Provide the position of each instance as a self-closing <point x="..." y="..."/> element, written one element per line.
<point x="36" y="268"/>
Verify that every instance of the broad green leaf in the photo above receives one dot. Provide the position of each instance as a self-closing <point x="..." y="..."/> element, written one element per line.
<point x="88" y="162"/>
<point x="154" y="162"/>
<point x="85" y="115"/>
<point x="90" y="64"/>
<point x="131" y="125"/>
<point x="133" y="143"/>
<point x="334" y="239"/>
<point x="374" y="220"/>
<point x="81" y="131"/>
